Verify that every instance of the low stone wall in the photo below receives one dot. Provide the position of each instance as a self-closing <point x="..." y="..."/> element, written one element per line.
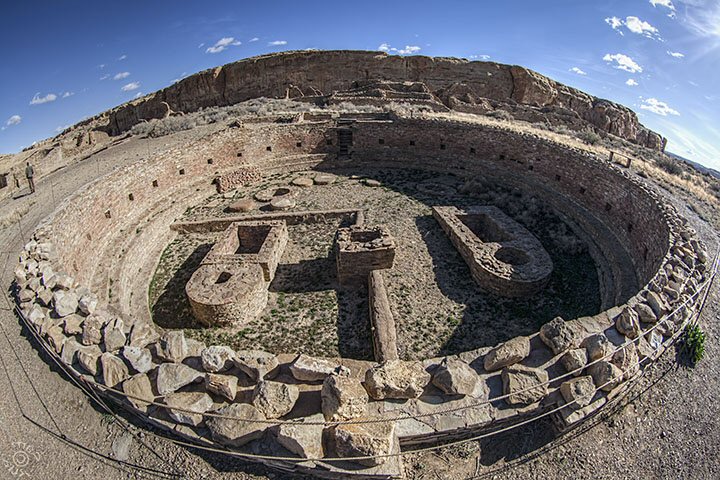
<point x="214" y="395"/>
<point x="381" y="319"/>
<point x="503" y="257"/>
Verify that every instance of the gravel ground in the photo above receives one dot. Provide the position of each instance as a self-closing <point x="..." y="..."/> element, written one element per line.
<point x="667" y="427"/>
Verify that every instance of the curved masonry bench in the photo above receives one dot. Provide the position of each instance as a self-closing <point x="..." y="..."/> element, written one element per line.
<point x="81" y="284"/>
<point x="504" y="258"/>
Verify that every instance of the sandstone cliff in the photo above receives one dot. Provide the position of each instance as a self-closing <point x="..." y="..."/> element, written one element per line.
<point x="459" y="84"/>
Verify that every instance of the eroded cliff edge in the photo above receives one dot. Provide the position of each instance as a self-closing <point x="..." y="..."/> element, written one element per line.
<point x="458" y="84"/>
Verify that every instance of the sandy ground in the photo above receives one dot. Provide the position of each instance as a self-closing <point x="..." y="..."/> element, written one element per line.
<point x="666" y="428"/>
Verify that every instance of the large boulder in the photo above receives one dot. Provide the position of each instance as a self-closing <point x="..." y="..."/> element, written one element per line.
<point x="627" y="360"/>
<point x="88" y="303"/>
<point x="139" y="391"/>
<point x="92" y="329"/>
<point x="628" y="323"/>
<point x="310" y="369"/>
<point x="524" y="385"/>
<point x="113" y="335"/>
<point x="172" y="376"/>
<point x="605" y="375"/>
<point x="183" y="403"/>
<point x="140" y="359"/>
<point x="223" y="385"/>
<point x="455" y="377"/>
<point x="236" y="432"/>
<point x="142" y="334"/>
<point x="598" y="346"/>
<point x="343" y="398"/>
<point x="72" y="325"/>
<point x="274" y="399"/>
<point x="657" y="304"/>
<point x="396" y="379"/>
<point x="302" y="439"/>
<point x="365" y="440"/>
<point x="172" y="346"/>
<point x="114" y="369"/>
<point x="257" y="364"/>
<point x="575" y="360"/>
<point x="508" y="353"/>
<point x="557" y="335"/>
<point x="66" y="303"/>
<point x="88" y="358"/>
<point x="645" y="313"/>
<point x="579" y="390"/>
<point x="217" y="358"/>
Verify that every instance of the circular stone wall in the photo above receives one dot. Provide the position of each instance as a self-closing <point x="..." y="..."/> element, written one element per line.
<point x="107" y="239"/>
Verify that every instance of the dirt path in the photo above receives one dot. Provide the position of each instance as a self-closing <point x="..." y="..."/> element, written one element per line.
<point x="666" y="428"/>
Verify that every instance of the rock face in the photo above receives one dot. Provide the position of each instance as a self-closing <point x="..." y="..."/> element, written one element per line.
<point x="274" y="399"/>
<point x="557" y="335"/>
<point x="449" y="82"/>
<point x="343" y="398"/>
<point x="455" y="377"/>
<point x="508" y="353"/>
<point x="396" y="379"/>
<point x="303" y="439"/>
<point x="364" y="440"/>
<point x="524" y="385"/>
<point x="236" y="433"/>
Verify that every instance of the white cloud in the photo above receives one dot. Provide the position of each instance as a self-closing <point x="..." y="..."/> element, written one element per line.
<point x="657" y="107"/>
<point x="254" y="39"/>
<point x="615" y="23"/>
<point x="138" y="95"/>
<point x="408" y="50"/>
<point x="702" y="16"/>
<point x="222" y="45"/>
<point x="665" y="3"/>
<point x="38" y="100"/>
<point x="635" y="25"/>
<point x="122" y="57"/>
<point x="623" y="62"/>
<point x="631" y="82"/>
<point x="62" y="128"/>
<point x="675" y="54"/>
<point x="121" y="75"/>
<point x="479" y="57"/>
<point x="14" y="120"/>
<point x="277" y="43"/>
<point x="130" y="87"/>
<point x="68" y="94"/>
<point x="578" y="71"/>
<point x="105" y="77"/>
<point x="101" y="66"/>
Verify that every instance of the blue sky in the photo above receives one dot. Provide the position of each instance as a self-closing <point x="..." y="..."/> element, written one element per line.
<point x="64" y="61"/>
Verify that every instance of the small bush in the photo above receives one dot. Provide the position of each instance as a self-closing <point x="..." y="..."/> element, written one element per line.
<point x="501" y="115"/>
<point x="589" y="137"/>
<point x="694" y="343"/>
<point x="669" y="165"/>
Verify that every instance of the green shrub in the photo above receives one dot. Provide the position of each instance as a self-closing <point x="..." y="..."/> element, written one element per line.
<point x="589" y="137"/>
<point x="694" y="343"/>
<point x="669" y="165"/>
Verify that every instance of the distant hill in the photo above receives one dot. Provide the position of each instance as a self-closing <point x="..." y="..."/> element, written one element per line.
<point x="700" y="168"/>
